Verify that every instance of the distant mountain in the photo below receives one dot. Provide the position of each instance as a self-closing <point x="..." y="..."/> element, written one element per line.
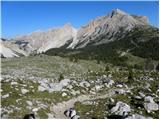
<point x="107" y="38"/>
<point x="10" y="49"/>
<point x="115" y="23"/>
<point x="41" y="41"/>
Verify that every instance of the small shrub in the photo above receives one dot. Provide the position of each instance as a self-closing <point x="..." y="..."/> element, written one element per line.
<point x="61" y="77"/>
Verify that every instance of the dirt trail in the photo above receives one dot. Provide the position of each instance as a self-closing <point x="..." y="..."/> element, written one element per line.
<point x="58" y="109"/>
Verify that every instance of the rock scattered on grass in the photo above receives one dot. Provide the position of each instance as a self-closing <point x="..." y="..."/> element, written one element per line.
<point x="24" y="91"/>
<point x="5" y="96"/>
<point x="121" y="109"/>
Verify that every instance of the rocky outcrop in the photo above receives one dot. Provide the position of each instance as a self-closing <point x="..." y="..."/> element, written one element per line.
<point x="121" y="109"/>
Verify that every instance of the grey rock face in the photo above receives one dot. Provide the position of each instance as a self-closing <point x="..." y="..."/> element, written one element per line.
<point x="108" y="26"/>
<point x="115" y="23"/>
<point x="121" y="109"/>
<point x="10" y="49"/>
<point x="53" y="38"/>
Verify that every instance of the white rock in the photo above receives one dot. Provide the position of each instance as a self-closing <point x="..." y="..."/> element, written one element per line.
<point x="121" y="109"/>
<point x="50" y="116"/>
<point x="13" y="83"/>
<point x="59" y="86"/>
<point x="112" y="100"/>
<point x="151" y="107"/>
<point x="108" y="83"/>
<point x="29" y="103"/>
<point x="120" y="91"/>
<point x="67" y="112"/>
<point x="149" y="99"/>
<point x="84" y="84"/>
<point x="97" y="87"/>
<point x="41" y="89"/>
<point x="72" y="113"/>
<point x="70" y="86"/>
<point x="5" y="96"/>
<point x="119" y="85"/>
<point x="35" y="109"/>
<point x="24" y="91"/>
<point x="141" y="94"/>
<point x="75" y="117"/>
<point x="138" y="97"/>
<point x="104" y="76"/>
<point x="64" y="94"/>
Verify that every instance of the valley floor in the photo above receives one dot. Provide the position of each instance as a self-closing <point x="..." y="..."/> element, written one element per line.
<point x="49" y="85"/>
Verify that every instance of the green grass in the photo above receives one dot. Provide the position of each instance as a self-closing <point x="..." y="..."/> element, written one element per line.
<point x="51" y="67"/>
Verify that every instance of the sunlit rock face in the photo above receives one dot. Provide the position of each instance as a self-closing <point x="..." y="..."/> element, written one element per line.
<point x="116" y="23"/>
<point x="10" y="49"/>
<point x="53" y="38"/>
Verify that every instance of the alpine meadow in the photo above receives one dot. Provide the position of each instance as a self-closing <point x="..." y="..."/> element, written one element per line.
<point x="107" y="68"/>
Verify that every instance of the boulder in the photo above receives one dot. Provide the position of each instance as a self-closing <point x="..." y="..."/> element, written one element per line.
<point x="141" y="94"/>
<point x="75" y="117"/>
<point x="41" y="89"/>
<point x="121" y="109"/>
<point x="35" y="109"/>
<point x="108" y="82"/>
<point x="24" y="91"/>
<point x="70" y="113"/>
<point x="64" y="94"/>
<point x="120" y="91"/>
<point x="111" y="100"/>
<point x="149" y="99"/>
<point x="14" y="83"/>
<point x="5" y="96"/>
<point x="84" y="84"/>
<point x="29" y="103"/>
<point x="151" y="107"/>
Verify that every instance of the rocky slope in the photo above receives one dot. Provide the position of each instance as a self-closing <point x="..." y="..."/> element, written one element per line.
<point x="111" y="26"/>
<point x="116" y="22"/>
<point x="10" y="49"/>
<point x="33" y="85"/>
<point x="53" y="38"/>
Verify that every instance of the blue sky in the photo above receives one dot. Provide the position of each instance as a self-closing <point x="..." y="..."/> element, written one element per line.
<point x="21" y="17"/>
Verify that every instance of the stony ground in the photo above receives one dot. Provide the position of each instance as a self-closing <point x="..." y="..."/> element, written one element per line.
<point x="49" y="85"/>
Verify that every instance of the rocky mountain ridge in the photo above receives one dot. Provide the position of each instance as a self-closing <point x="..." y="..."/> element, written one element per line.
<point x="115" y="23"/>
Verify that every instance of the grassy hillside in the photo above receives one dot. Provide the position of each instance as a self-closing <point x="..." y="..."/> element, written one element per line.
<point x="140" y="43"/>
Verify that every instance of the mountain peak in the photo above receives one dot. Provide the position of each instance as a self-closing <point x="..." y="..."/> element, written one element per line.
<point x="117" y="11"/>
<point x="68" y="25"/>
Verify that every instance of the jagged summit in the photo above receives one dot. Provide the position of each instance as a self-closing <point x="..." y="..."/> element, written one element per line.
<point x="117" y="11"/>
<point x="68" y="25"/>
